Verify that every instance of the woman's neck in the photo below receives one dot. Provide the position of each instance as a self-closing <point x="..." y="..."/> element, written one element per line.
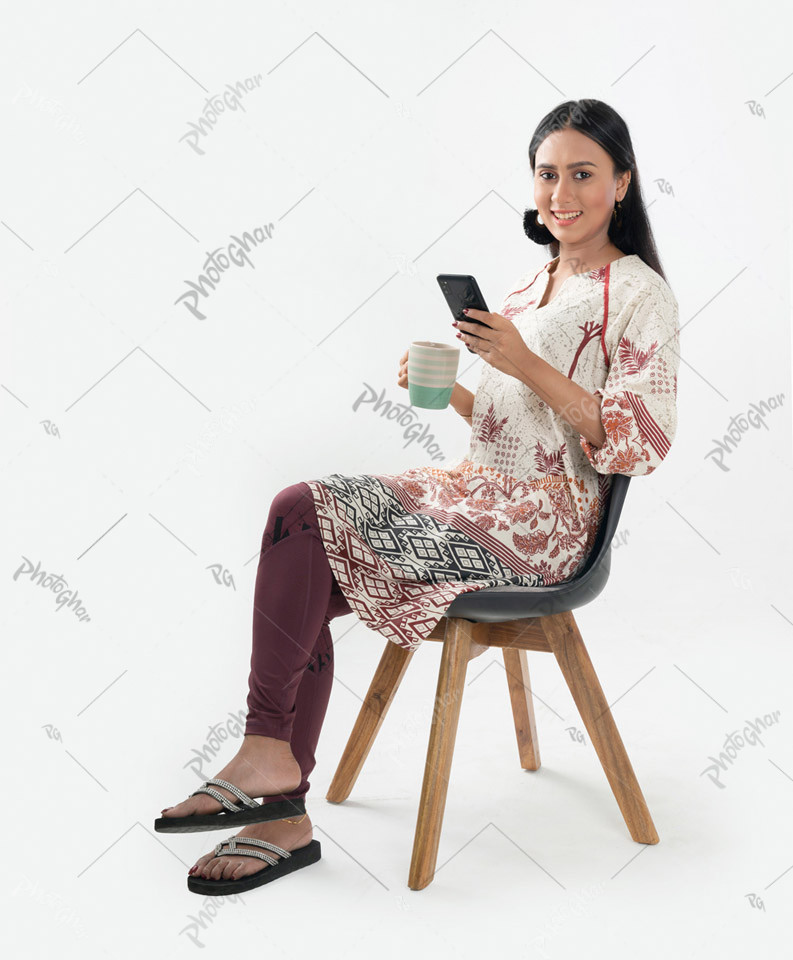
<point x="584" y="259"/>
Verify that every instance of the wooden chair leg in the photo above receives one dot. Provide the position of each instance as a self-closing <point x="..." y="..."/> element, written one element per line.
<point x="459" y="646"/>
<point x="568" y="647"/>
<point x="517" y="667"/>
<point x="382" y="690"/>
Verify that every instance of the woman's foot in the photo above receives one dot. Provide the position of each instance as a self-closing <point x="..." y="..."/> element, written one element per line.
<point x="262" y="767"/>
<point x="288" y="836"/>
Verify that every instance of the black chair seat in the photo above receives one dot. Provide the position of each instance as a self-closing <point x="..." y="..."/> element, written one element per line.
<point x="495" y="604"/>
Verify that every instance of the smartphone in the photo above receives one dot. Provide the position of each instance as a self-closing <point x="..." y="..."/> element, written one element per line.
<point x="462" y="290"/>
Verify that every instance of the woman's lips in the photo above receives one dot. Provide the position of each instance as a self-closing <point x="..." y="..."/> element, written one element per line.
<point x="566" y="221"/>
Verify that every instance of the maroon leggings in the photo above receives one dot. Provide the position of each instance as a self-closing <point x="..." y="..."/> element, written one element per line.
<point x="296" y="597"/>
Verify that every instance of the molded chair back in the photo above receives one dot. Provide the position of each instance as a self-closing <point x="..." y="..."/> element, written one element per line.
<point x="494" y="604"/>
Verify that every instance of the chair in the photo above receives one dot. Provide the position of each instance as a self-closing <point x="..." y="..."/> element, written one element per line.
<point x="516" y="619"/>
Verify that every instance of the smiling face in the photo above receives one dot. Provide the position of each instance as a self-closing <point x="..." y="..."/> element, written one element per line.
<point x="575" y="175"/>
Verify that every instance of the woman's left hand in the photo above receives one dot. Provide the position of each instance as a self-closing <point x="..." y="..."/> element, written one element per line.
<point x="502" y="346"/>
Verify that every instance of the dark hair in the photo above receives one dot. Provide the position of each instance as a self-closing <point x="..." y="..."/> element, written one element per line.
<point x="630" y="230"/>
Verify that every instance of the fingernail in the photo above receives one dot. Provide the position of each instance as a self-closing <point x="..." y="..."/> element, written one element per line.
<point x="455" y="322"/>
<point x="459" y="335"/>
<point x="465" y="309"/>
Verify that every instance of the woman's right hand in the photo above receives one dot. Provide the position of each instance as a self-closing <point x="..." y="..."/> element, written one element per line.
<point x="402" y="379"/>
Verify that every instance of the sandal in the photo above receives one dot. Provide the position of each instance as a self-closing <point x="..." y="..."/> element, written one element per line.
<point x="288" y="863"/>
<point x="274" y="808"/>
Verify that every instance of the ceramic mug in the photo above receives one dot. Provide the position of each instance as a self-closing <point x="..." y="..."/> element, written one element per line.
<point x="432" y="372"/>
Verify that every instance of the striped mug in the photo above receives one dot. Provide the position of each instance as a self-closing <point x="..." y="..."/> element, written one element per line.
<point x="432" y="372"/>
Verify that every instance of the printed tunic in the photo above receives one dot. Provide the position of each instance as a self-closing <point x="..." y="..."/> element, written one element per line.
<point x="523" y="506"/>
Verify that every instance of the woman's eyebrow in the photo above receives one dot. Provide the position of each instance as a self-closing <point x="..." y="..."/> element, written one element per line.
<point x="579" y="163"/>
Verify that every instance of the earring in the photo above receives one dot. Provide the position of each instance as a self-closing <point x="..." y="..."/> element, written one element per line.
<point x="616" y="208"/>
<point x="535" y="229"/>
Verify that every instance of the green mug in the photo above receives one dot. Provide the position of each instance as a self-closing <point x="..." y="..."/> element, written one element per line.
<point x="432" y="372"/>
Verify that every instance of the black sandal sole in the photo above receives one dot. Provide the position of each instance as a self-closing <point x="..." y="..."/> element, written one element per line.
<point x="197" y="823"/>
<point x="300" y="858"/>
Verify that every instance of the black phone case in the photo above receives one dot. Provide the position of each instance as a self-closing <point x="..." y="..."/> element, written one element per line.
<point x="461" y="290"/>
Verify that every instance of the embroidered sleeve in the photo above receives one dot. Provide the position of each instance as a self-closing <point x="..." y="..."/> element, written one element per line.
<point x="639" y="400"/>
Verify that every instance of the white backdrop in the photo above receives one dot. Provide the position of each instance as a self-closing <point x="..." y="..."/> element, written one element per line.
<point x="378" y="145"/>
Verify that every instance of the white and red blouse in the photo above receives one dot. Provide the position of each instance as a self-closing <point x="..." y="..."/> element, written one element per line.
<point x="523" y="505"/>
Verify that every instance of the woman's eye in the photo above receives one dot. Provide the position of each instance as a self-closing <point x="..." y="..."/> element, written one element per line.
<point x="586" y="174"/>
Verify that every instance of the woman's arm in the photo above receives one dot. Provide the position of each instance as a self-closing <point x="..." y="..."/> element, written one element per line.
<point x="462" y="401"/>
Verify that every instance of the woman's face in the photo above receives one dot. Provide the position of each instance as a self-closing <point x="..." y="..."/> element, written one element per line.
<point x="573" y="174"/>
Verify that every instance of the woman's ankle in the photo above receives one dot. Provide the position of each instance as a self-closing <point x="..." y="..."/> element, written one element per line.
<point x="256" y="744"/>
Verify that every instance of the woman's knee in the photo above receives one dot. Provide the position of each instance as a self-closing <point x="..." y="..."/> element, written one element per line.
<point x="291" y="510"/>
<point x="291" y="498"/>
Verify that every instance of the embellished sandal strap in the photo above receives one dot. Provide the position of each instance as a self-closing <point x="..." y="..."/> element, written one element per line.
<point x="220" y="852"/>
<point x="235" y="850"/>
<point x="219" y="797"/>
<point x="259" y="843"/>
<point x="235" y="790"/>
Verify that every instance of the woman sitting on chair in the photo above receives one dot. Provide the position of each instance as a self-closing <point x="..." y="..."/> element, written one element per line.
<point x="579" y="382"/>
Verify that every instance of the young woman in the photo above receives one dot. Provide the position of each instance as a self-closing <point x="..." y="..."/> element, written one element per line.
<point x="579" y="382"/>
